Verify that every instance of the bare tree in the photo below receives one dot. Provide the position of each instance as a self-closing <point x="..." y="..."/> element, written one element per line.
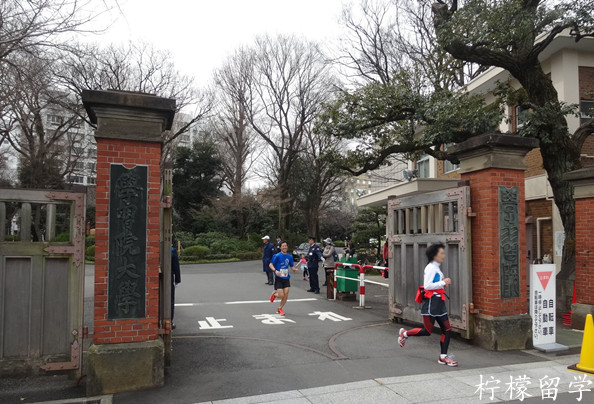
<point x="319" y="186"/>
<point x="384" y="38"/>
<point x="35" y="29"/>
<point x="136" y="67"/>
<point x="232" y="128"/>
<point x="28" y="25"/>
<point x="42" y="125"/>
<point x="369" y="50"/>
<point x="290" y="83"/>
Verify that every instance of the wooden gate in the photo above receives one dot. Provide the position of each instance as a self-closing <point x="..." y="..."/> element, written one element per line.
<point x="415" y="222"/>
<point x="41" y="280"/>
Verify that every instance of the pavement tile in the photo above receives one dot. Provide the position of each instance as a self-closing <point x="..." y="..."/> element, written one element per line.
<point x="338" y="388"/>
<point x="425" y="390"/>
<point x="367" y="395"/>
<point x="409" y="378"/>
<point x="283" y="396"/>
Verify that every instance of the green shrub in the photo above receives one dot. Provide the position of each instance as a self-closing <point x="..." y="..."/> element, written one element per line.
<point x="248" y="255"/>
<point x="89" y="241"/>
<point x="185" y="238"/>
<point x="339" y="243"/>
<point x="219" y="256"/>
<point x="63" y="237"/>
<point x="207" y="239"/>
<point x="90" y="253"/>
<point x="196" y="252"/>
<point x="10" y="237"/>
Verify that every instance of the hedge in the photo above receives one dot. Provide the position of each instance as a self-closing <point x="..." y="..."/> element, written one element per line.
<point x="248" y="255"/>
<point x="195" y="252"/>
<point x="90" y="253"/>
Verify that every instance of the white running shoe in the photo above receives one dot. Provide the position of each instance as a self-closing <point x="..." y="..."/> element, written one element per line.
<point x="401" y="338"/>
<point x="448" y="360"/>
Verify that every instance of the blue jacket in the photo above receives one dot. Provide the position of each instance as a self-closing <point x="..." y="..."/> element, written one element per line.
<point x="314" y="255"/>
<point x="175" y="272"/>
<point x="268" y="253"/>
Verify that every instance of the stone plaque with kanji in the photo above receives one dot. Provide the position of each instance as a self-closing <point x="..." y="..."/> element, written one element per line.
<point x="127" y="242"/>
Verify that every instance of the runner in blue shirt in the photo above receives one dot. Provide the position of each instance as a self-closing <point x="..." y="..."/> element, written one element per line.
<point x="280" y="265"/>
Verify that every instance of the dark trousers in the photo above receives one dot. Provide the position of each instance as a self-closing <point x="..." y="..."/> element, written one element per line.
<point x="330" y="283"/>
<point x="270" y="276"/>
<point x="314" y="283"/>
<point x="172" y="300"/>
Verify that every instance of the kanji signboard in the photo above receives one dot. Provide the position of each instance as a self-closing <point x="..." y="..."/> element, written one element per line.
<point x="542" y="303"/>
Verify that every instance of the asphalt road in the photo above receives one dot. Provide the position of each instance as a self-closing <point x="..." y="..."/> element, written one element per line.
<point x="261" y="353"/>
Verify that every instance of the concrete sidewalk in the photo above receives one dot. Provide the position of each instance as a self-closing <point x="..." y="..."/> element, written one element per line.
<point x="450" y="386"/>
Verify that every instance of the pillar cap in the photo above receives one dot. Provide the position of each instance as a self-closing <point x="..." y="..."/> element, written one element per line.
<point x="129" y="115"/>
<point x="582" y="181"/>
<point x="493" y="150"/>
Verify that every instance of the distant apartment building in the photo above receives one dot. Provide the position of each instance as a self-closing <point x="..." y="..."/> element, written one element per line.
<point x="570" y="65"/>
<point x="78" y="144"/>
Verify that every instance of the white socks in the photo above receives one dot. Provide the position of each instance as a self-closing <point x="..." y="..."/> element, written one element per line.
<point x="442" y="356"/>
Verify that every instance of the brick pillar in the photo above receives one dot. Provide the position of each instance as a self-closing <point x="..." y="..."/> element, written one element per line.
<point x="127" y="353"/>
<point x="583" y="183"/>
<point x="493" y="165"/>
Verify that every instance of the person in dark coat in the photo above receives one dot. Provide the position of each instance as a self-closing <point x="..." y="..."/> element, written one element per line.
<point x="175" y="280"/>
<point x="279" y="240"/>
<point x="314" y="256"/>
<point x="266" y="258"/>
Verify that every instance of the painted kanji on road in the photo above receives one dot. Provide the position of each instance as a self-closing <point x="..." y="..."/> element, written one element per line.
<point x="328" y="315"/>
<point x="272" y="319"/>
<point x="212" y="323"/>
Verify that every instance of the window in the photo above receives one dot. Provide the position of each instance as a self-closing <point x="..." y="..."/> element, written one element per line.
<point x="586" y="110"/>
<point x="79" y="165"/>
<point x="423" y="166"/>
<point x="92" y="153"/>
<point x="522" y="116"/>
<point x="91" y="180"/>
<point x="448" y="166"/>
<point x="91" y="166"/>
<point x="55" y="120"/>
<point x="76" y="179"/>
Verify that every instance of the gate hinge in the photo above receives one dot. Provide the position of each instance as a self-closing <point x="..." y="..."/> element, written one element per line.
<point x="469" y="212"/>
<point x="166" y="202"/>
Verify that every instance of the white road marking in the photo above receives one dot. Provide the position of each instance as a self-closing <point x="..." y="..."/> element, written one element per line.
<point x="241" y="302"/>
<point x="328" y="315"/>
<point x="272" y="319"/>
<point x="212" y="323"/>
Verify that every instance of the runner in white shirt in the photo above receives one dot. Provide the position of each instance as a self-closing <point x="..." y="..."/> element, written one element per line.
<point x="433" y="306"/>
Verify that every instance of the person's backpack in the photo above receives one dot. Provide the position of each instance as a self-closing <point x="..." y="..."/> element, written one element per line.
<point x="335" y="256"/>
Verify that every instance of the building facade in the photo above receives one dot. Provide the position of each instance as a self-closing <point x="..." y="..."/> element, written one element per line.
<point x="571" y="68"/>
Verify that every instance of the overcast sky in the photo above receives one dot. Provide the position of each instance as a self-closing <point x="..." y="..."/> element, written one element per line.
<point x="202" y="33"/>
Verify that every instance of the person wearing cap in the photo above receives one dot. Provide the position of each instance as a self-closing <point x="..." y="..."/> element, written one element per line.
<point x="279" y="240"/>
<point x="314" y="256"/>
<point x="330" y="257"/>
<point x="266" y="258"/>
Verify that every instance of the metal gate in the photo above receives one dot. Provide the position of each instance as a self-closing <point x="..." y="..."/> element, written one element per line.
<point x="415" y="222"/>
<point x="41" y="280"/>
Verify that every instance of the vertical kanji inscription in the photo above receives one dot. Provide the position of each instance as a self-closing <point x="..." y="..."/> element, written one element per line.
<point x="127" y="242"/>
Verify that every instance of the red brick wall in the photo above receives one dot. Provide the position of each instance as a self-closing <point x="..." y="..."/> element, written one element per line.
<point x="584" y="275"/>
<point x="485" y="241"/>
<point x="534" y="163"/>
<point x="441" y="174"/>
<point x="541" y="208"/>
<point x="128" y="153"/>
<point x="586" y="80"/>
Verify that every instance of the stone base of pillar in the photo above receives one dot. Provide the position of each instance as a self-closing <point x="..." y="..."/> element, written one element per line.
<point x="123" y="367"/>
<point x="579" y="311"/>
<point x="503" y="333"/>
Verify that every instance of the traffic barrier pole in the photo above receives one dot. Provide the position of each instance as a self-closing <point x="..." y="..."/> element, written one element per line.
<point x="335" y="266"/>
<point x="361" y="286"/>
